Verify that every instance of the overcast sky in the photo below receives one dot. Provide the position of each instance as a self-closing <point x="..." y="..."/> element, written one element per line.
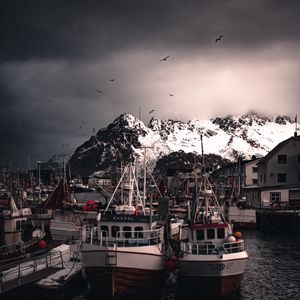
<point x="54" y="55"/>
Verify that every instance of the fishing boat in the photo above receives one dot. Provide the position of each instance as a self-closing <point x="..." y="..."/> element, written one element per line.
<point x="18" y="236"/>
<point x="125" y="253"/>
<point x="212" y="259"/>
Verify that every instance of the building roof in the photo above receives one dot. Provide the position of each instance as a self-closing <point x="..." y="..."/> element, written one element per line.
<point x="277" y="149"/>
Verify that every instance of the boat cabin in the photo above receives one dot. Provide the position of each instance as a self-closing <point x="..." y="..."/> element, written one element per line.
<point x="123" y="229"/>
<point x="13" y="220"/>
<point x="213" y="238"/>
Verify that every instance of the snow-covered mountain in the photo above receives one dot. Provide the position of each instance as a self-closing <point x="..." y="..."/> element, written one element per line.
<point x="228" y="137"/>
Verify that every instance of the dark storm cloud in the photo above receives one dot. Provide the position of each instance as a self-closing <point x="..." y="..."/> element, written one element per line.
<point x="65" y="50"/>
<point x="72" y="29"/>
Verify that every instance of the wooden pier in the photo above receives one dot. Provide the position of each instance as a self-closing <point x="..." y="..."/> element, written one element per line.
<point x="29" y="270"/>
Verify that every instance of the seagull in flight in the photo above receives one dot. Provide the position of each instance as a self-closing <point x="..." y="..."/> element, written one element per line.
<point x="151" y="111"/>
<point x="111" y="79"/>
<point x="165" y="58"/>
<point x="219" y="38"/>
<point x="171" y="95"/>
<point x="99" y="91"/>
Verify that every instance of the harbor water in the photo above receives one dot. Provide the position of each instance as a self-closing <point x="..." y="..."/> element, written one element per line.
<point x="273" y="272"/>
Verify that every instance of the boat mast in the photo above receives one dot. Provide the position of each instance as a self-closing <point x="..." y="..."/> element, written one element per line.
<point x="39" y="180"/>
<point x="130" y="191"/>
<point x="204" y="179"/>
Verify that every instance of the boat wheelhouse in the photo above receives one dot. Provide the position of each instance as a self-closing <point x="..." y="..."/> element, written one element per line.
<point x="18" y="237"/>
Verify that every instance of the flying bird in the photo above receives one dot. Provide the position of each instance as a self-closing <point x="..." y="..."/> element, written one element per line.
<point x="219" y="38"/>
<point x="99" y="91"/>
<point x="171" y="95"/>
<point x="79" y="127"/>
<point x="112" y="80"/>
<point x="151" y="111"/>
<point x="165" y="58"/>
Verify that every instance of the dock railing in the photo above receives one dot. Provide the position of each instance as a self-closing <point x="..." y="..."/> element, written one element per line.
<point x="29" y="269"/>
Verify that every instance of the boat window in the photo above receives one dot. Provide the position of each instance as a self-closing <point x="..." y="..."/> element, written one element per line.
<point x="18" y="225"/>
<point x="200" y="234"/>
<point x="23" y="224"/>
<point x="221" y="233"/>
<point x="211" y="233"/>
<point x="104" y="230"/>
<point x="138" y="232"/>
<point x="114" y="230"/>
<point x="127" y="231"/>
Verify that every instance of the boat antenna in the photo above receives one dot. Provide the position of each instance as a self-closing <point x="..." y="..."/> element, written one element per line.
<point x="202" y="154"/>
<point x="296" y="126"/>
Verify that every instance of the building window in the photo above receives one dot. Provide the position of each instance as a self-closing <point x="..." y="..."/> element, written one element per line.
<point x="200" y="234"/>
<point x="210" y="234"/>
<point x="254" y="169"/>
<point x="254" y="181"/>
<point x="282" y="159"/>
<point x="281" y="177"/>
<point x="127" y="232"/>
<point x="298" y="158"/>
<point x="275" y="196"/>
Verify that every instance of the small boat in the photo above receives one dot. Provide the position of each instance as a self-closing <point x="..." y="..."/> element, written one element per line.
<point x="241" y="215"/>
<point x="125" y="253"/>
<point x="18" y="236"/>
<point x="211" y="259"/>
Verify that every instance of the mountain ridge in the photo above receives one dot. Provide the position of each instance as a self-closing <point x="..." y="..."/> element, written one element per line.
<point x="228" y="137"/>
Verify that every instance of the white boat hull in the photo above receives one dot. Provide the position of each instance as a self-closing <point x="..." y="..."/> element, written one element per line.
<point x="212" y="274"/>
<point x="123" y="270"/>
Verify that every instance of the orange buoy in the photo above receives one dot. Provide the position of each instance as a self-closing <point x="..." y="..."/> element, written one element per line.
<point x="237" y="235"/>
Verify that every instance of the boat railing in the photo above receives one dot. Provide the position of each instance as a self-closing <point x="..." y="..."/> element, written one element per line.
<point x="139" y="238"/>
<point x="16" y="247"/>
<point x="210" y="249"/>
<point x="234" y="247"/>
<point x="91" y="235"/>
